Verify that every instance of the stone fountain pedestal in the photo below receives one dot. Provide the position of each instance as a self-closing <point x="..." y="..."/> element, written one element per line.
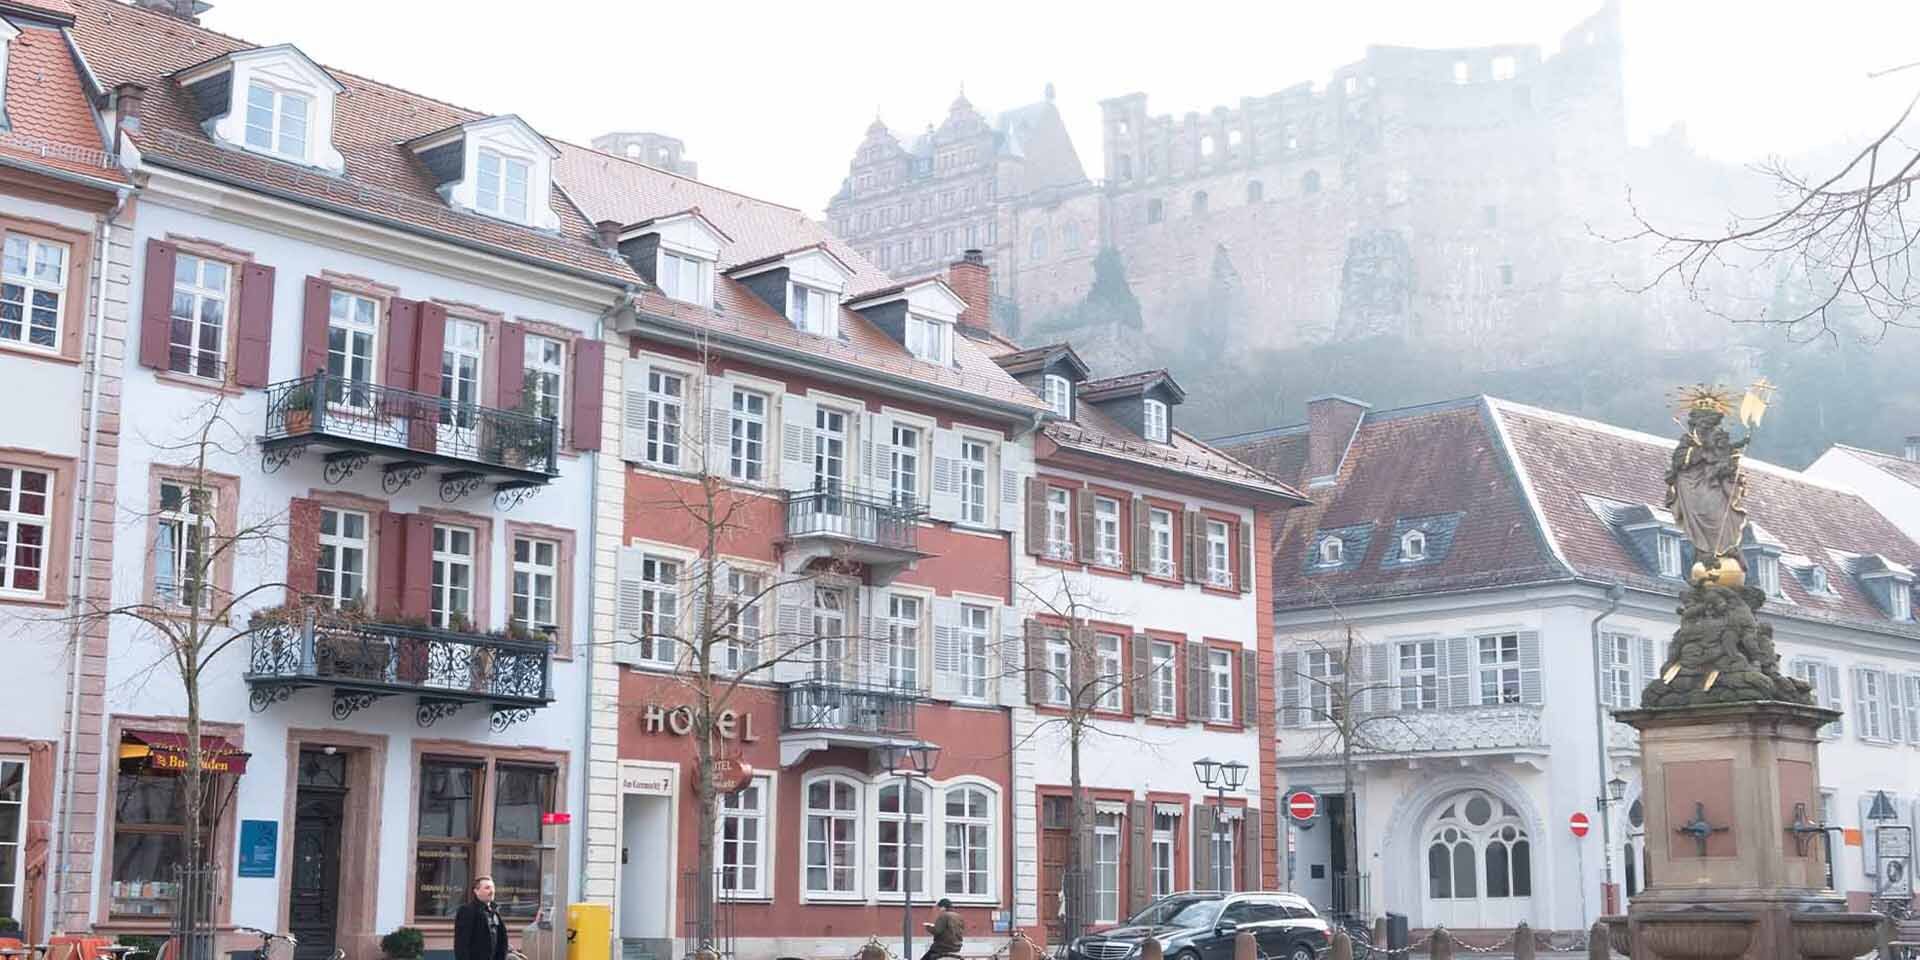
<point x="1738" y="862"/>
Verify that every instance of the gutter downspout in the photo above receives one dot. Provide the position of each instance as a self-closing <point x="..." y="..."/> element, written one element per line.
<point x="77" y="597"/>
<point x="624" y="301"/>
<point x="1614" y="595"/>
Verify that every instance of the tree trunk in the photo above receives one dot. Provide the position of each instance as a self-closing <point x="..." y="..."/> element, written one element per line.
<point x="1350" y="822"/>
<point x="1074" y="905"/>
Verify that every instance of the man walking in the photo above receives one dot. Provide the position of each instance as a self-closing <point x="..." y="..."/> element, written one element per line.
<point x="949" y="932"/>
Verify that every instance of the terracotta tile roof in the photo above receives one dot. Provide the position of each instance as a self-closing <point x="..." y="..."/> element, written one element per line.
<point x="1126" y="382"/>
<point x="51" y="118"/>
<point x="1899" y="468"/>
<point x="61" y="10"/>
<point x="372" y="120"/>
<point x="1092" y="431"/>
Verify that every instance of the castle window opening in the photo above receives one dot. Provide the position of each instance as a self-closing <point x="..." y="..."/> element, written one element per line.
<point x="1504" y="68"/>
<point x="1199" y="203"/>
<point x="1506" y="274"/>
<point x="1124" y="165"/>
<point x="1233" y="138"/>
<point x="1255" y="192"/>
<point x="1155" y="211"/>
<point x="1206" y="145"/>
<point x="1310" y="183"/>
<point x="1492" y="214"/>
<point x="1461" y="72"/>
<point x="1038" y="245"/>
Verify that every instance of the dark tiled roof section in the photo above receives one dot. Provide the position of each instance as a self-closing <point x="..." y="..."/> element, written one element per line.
<point x="1899" y="468"/>
<point x="383" y="180"/>
<point x="51" y="121"/>
<point x="1095" y="432"/>
<point x="1565" y="457"/>
<point x="1417" y="462"/>
<point x="1024" y="361"/>
<point x="1281" y="452"/>
<point x="1438" y="529"/>
<point x="1127" y="383"/>
<point x="1354" y="540"/>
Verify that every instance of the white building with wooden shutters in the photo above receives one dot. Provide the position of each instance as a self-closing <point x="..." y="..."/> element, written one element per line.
<point x="1504" y="573"/>
<point x="1136" y="565"/>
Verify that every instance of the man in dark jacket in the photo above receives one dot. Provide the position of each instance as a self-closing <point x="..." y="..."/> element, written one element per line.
<point x="478" y="932"/>
<point x="949" y="932"/>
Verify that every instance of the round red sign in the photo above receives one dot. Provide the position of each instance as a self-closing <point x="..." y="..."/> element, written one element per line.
<point x="1303" y="805"/>
<point x="1579" y="824"/>
<point x="731" y="774"/>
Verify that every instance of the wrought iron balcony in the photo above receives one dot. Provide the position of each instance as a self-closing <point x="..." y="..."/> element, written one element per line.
<point x="817" y="714"/>
<point x="1502" y="729"/>
<point x="363" y="662"/>
<point x="409" y="434"/>
<point x="853" y="526"/>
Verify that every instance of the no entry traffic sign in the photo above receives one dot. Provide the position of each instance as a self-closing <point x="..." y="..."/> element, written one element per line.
<point x="1303" y="806"/>
<point x="1579" y="824"/>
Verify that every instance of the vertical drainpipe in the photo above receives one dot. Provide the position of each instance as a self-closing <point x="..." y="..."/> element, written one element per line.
<point x="1614" y="595"/>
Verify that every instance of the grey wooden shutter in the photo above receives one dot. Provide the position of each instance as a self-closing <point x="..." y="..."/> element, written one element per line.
<point x="1644" y="668"/>
<point x="1084" y="895"/>
<point x="1083" y="505"/>
<point x="1830" y="697"/>
<point x="1142" y="538"/>
<point x="1203" y="878"/>
<point x="1140" y="859"/>
<point x="1015" y="464"/>
<point x="796" y="442"/>
<point x="1249" y="687"/>
<point x="1189" y="548"/>
<point x="1196" y="681"/>
<point x="1380" y="658"/>
<point x="1250" y="846"/>
<point x="1896" y="709"/>
<point x="947" y="679"/>
<point x="1459" y="672"/>
<point x="633" y="410"/>
<point x="1530" y="687"/>
<point x="1037" y="666"/>
<point x="719" y="446"/>
<point x="1036" y="516"/>
<point x="626" y="615"/>
<point x="1289" y="682"/>
<point x="1140" y="682"/>
<point x="944" y="504"/>
<point x="1246" y="558"/>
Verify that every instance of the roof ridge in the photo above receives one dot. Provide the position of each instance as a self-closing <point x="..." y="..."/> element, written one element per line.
<point x="679" y="176"/>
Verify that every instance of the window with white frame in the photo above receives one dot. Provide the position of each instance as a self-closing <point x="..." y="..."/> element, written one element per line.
<point x="278" y="121"/>
<point x="1160" y="541"/>
<point x="903" y="642"/>
<point x="812" y="310"/>
<point x="33" y="290"/>
<point x="1220" y="682"/>
<point x="1617" y="665"/>
<point x="1060" y="395"/>
<point x="829" y="452"/>
<point x="659" y="609"/>
<point x="899" y="848"/>
<point x="536" y="579"/>
<point x="340" y="572"/>
<point x="1219" y="564"/>
<point x="975" y="631"/>
<point x="1413" y="546"/>
<point x="1163" y="681"/>
<point x="973" y="482"/>
<point x="1870" y="703"/>
<point x="13" y="835"/>
<point x="463" y="350"/>
<point x="1333" y="551"/>
<point x="1766" y="574"/>
<point x="544" y="377"/>
<point x="832" y="817"/>
<point x="197" y="338"/>
<point x="179" y="548"/>
<point x="1499" y="669"/>
<point x="1222" y="842"/>
<point x="903" y="466"/>
<point x="740" y="841"/>
<point x="1325" y="674"/>
<point x="1419" y="665"/>
<point x="666" y="407"/>
<point x="1155" y="419"/>
<point x="1166" y="827"/>
<point x="501" y="186"/>
<point x="353" y="336"/>
<point x="1909" y="706"/>
<point x="1106" y="868"/>
<point x="452" y="597"/>
<point x="740" y="650"/>
<point x="1824" y="680"/>
<point x="1901" y="594"/>
<point x="1059" y="671"/>
<point x="928" y="339"/>
<point x="684" y="278"/>
<point x="747" y="436"/>
<point x="1112" y="678"/>
<point x="1106" y="531"/>
<point x="968" y="850"/>
<point x="1667" y="545"/>
<point x="1059" y="523"/>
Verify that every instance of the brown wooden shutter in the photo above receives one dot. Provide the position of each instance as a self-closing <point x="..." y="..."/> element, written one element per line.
<point x="253" y="346"/>
<point x="1245" y="578"/>
<point x="1083" y="503"/>
<point x="156" y="304"/>
<point x="1142" y="538"/>
<point x="303" y="547"/>
<point x="1084" y="893"/>
<point x="1083" y="689"/>
<point x="390" y="562"/>
<point x="589" y="372"/>
<point x="511" y="361"/>
<point x="1196" y="655"/>
<point x="403" y="345"/>
<point x="1203" y="876"/>
<point x="1251" y="846"/>
<point x="313" y="327"/>
<point x="1140" y="683"/>
<point x="1190" y="549"/>
<point x="416" y="591"/>
<point x="429" y="348"/>
<point x="1037" y="666"/>
<point x="1140" y="889"/>
<point x="1036" y="516"/>
<point x="1249" y="687"/>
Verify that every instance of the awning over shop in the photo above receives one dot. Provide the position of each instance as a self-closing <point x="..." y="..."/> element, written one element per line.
<point x="160" y="752"/>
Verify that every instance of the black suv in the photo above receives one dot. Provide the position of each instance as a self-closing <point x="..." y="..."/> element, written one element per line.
<point x="1201" y="926"/>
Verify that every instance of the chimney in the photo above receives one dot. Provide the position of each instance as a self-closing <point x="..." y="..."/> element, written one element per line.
<point x="609" y="231"/>
<point x="127" y="98"/>
<point x="188" y="10"/>
<point x="969" y="278"/>
<point x="1913" y="446"/>
<point x="1331" y="422"/>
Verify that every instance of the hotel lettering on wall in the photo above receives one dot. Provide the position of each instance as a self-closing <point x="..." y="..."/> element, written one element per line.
<point x="678" y="721"/>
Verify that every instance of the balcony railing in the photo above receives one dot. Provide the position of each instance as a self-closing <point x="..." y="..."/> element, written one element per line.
<point x="364" y="661"/>
<point x="1488" y="729"/>
<point x="824" y="706"/>
<point x="852" y="516"/>
<point x="363" y="418"/>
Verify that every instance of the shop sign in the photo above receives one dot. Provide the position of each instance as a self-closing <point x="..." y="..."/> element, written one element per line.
<point x="651" y="781"/>
<point x="678" y="721"/>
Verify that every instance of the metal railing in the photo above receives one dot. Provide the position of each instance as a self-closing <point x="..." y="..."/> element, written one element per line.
<point x="1503" y="727"/>
<point x="852" y="516"/>
<point x="709" y="919"/>
<point x="327" y="406"/>
<point x="824" y="705"/>
<point x="396" y="658"/>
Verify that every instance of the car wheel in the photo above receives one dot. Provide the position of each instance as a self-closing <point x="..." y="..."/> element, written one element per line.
<point x="1301" y="952"/>
<point x="1186" y="955"/>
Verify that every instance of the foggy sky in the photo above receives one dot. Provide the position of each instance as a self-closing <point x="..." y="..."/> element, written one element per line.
<point x="772" y="98"/>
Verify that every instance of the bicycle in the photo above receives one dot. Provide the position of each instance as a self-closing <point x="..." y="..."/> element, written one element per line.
<point x="265" y="950"/>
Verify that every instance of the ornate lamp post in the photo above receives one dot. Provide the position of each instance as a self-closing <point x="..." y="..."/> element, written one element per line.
<point x="906" y="761"/>
<point x="1220" y="778"/>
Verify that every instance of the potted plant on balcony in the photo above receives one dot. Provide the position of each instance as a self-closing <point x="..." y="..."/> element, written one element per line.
<point x="529" y="443"/>
<point x="299" y="408"/>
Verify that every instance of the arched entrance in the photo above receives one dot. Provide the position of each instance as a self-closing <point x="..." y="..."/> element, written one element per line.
<point x="1479" y="862"/>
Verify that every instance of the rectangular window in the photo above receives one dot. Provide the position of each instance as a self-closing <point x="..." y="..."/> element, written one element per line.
<point x="462" y="350"/>
<point x="1160" y="536"/>
<point x="522" y="795"/>
<point x="536" y="579"/>
<point x="1106" y="531"/>
<point x="903" y="642"/>
<point x="1222" y="843"/>
<point x="829" y="452"/>
<point x="1420" y="675"/>
<point x="452" y="607"/>
<point x="1112" y="674"/>
<point x="896" y="846"/>
<point x="544" y="375"/>
<point x="277" y="121"/>
<point x="197" y="339"/>
<point x="1106" y="868"/>
<point x="1155" y="418"/>
<point x="1059" y="523"/>
<point x="1060" y="395"/>
<point x="747" y="437"/>
<point x="353" y="335"/>
<point x="1766" y="574"/>
<point x="969" y="842"/>
<point x="1165" y="828"/>
<point x="1870" y="703"/>
<point x="13" y="834"/>
<point x="1617" y="679"/>
<point x="150" y="841"/>
<point x="659" y="608"/>
<point x="1668" y="547"/>
<point x="680" y="277"/>
<point x="927" y="339"/>
<point x="740" y="651"/>
<point x="812" y="310"/>
<point x="1326" y="674"/>
<point x="1059" y="672"/>
<point x="666" y="399"/>
<point x="1219" y="567"/>
<point x="180" y="563"/>
<point x="1824" y="680"/>
<point x="904" y="465"/>
<point x="741" y="842"/>
<point x="446" y="834"/>
<point x="1164" y="681"/>
<point x="1901" y="594"/>
<point x="26" y="514"/>
<point x="1220" y="684"/>
<point x="502" y="186"/>
<point x="973" y="482"/>
<point x="975" y="629"/>
<point x="1499" y="670"/>
<point x="341" y="574"/>
<point x="33" y="290"/>
<point x="1909" y="706"/>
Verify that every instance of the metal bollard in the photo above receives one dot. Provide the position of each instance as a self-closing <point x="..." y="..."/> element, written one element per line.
<point x="1523" y="947"/>
<point x="1441" y="947"/>
<point x="1342" y="948"/>
<point x="1379" y="935"/>
<point x="1149" y="950"/>
<point x="1244" y="947"/>
<point x="1599" y="937"/>
<point x="1022" y="949"/>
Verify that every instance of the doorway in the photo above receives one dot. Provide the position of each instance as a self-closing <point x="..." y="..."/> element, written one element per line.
<point x="646" y="876"/>
<point x="319" y="812"/>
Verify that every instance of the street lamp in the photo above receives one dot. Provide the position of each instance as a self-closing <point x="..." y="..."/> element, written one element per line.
<point x="1220" y="778"/>
<point x="906" y="761"/>
<point x="1616" y="791"/>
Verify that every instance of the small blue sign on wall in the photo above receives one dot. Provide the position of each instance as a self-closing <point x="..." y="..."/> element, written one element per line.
<point x="259" y="847"/>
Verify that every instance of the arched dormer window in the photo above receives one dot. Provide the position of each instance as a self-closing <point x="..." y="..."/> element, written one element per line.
<point x="1413" y="545"/>
<point x="1333" y="551"/>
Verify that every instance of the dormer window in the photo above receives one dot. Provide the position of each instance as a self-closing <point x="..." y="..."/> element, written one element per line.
<point x="273" y="101"/>
<point x="278" y="121"/>
<point x="1901" y="606"/>
<point x="1413" y="546"/>
<point x="814" y="311"/>
<point x="685" y="278"/>
<point x="928" y="339"/>
<point x="502" y="186"/>
<point x="1766" y="574"/>
<point x="1817" y="580"/>
<point x="1333" y="552"/>
<point x="1155" y="421"/>
<point x="1060" y="395"/>
<point x="1667" y="546"/>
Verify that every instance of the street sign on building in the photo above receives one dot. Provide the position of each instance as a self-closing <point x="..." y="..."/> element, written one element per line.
<point x="1303" y="807"/>
<point x="1579" y="824"/>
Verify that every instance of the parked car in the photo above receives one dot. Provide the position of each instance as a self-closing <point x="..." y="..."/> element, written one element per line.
<point x="1202" y="926"/>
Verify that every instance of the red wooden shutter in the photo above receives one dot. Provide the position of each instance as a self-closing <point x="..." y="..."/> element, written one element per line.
<point x="432" y="343"/>
<point x="512" y="358"/>
<point x="313" y="329"/>
<point x="416" y="598"/>
<point x="303" y="547"/>
<point x="254" y="350"/>
<point x="589" y="370"/>
<point x="403" y="338"/>
<point x="156" y="304"/>
<point x="390" y="552"/>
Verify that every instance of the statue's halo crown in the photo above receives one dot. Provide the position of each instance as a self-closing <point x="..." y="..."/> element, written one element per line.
<point x="1703" y="397"/>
